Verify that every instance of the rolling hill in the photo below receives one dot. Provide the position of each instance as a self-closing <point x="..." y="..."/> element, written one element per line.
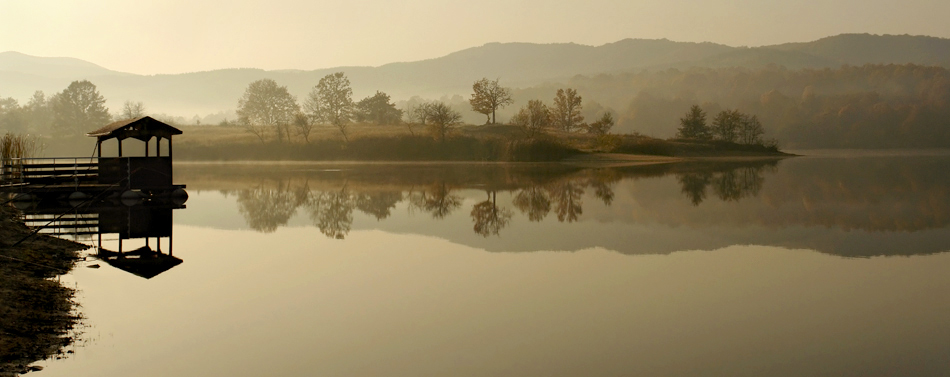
<point x="517" y="64"/>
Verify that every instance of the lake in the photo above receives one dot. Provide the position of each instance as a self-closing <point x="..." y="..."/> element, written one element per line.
<point x="833" y="264"/>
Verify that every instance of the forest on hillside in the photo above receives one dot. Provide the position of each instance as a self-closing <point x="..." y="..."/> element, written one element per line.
<point x="870" y="106"/>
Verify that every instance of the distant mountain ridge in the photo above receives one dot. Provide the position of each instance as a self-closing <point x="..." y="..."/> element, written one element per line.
<point x="516" y="64"/>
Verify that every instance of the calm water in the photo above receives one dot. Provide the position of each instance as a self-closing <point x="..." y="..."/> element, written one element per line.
<point x="830" y="265"/>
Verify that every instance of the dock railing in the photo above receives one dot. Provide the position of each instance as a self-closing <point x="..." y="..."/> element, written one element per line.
<point x="49" y="171"/>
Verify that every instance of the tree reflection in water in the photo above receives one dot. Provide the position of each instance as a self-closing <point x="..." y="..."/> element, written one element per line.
<point x="269" y="206"/>
<point x="534" y="202"/>
<point x="488" y="218"/>
<point x="379" y="205"/>
<point x="266" y="209"/>
<point x="332" y="212"/>
<point x="438" y="200"/>
<point x="728" y="185"/>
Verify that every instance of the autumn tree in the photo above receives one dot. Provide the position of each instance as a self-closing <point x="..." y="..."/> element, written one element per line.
<point x="488" y="97"/>
<point x="377" y="109"/>
<point x="442" y="119"/>
<point x="693" y="125"/>
<point x="266" y="105"/>
<point x="567" y="110"/>
<point x="79" y="109"/>
<point x="331" y="102"/>
<point x="533" y="118"/>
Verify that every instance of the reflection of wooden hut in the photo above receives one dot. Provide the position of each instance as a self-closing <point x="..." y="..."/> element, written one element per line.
<point x="143" y="261"/>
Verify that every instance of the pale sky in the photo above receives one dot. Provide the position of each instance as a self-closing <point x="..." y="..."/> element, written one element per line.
<point x="174" y="36"/>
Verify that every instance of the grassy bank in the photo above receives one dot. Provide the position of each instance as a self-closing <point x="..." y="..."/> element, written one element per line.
<point x="36" y="312"/>
<point x="469" y="143"/>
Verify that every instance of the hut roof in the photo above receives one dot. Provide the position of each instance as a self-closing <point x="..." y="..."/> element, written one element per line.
<point x="147" y="264"/>
<point x="142" y="128"/>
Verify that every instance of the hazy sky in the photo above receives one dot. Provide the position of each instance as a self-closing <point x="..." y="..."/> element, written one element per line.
<point x="173" y="36"/>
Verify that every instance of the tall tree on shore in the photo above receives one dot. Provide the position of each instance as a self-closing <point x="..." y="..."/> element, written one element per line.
<point x="266" y="105"/>
<point x="331" y="102"/>
<point x="79" y="109"/>
<point x="567" y="110"/>
<point x="693" y="125"/>
<point x="488" y="97"/>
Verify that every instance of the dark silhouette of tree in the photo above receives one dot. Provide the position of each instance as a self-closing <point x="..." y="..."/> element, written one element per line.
<point x="488" y="97"/>
<point x="566" y="196"/>
<point x="693" y="185"/>
<point x="265" y="106"/>
<point x="726" y="125"/>
<point x="533" y="201"/>
<point x="266" y="209"/>
<point x="79" y="109"/>
<point x="442" y="120"/>
<point x="750" y="130"/>
<point x="533" y="118"/>
<point x="331" y="102"/>
<point x="379" y="205"/>
<point x="332" y="212"/>
<point x="567" y="110"/>
<point x="488" y="217"/>
<point x="377" y="109"/>
<point x="602" y="126"/>
<point x="693" y="125"/>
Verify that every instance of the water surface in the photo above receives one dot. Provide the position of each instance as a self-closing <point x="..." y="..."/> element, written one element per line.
<point x="830" y="265"/>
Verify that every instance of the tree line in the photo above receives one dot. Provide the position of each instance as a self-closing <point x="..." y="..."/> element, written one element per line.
<point x="851" y="106"/>
<point x="729" y="125"/>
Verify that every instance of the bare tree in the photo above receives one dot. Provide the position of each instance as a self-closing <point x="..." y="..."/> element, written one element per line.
<point x="442" y="119"/>
<point x="304" y="125"/>
<point x="488" y="96"/>
<point x="750" y="130"/>
<point x="266" y="105"/>
<point x="331" y="101"/>
<point x="567" y="110"/>
<point x="132" y="110"/>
